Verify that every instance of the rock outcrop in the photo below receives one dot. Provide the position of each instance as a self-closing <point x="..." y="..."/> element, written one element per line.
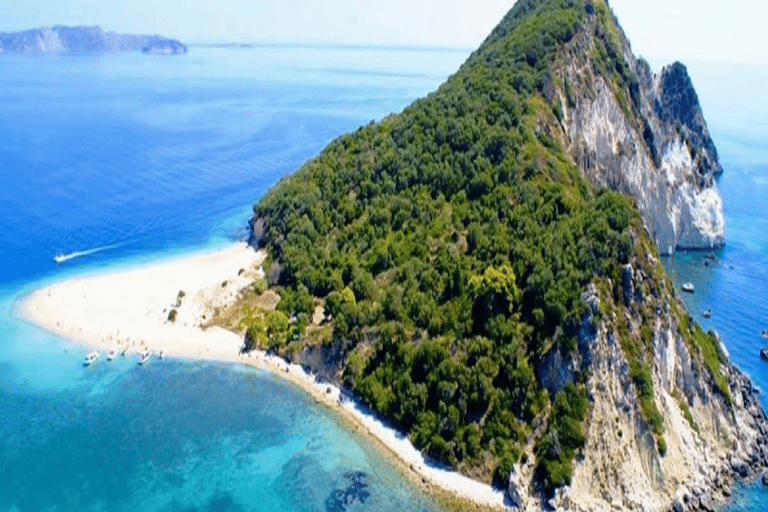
<point x="652" y="143"/>
<point x="60" y="39"/>
<point x="160" y="46"/>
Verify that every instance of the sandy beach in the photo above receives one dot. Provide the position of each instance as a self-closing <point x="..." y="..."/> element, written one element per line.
<point x="128" y="311"/>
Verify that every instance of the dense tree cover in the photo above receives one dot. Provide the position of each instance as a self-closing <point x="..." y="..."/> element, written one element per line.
<point x="452" y="243"/>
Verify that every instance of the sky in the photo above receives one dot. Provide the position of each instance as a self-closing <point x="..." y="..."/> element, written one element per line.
<point x="689" y="30"/>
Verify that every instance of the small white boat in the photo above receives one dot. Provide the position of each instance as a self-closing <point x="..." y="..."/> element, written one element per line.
<point x="90" y="358"/>
<point x="111" y="354"/>
<point x="707" y="313"/>
<point x="144" y="357"/>
<point x="688" y="287"/>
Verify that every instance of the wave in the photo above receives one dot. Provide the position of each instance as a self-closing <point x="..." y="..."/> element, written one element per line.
<point x="61" y="258"/>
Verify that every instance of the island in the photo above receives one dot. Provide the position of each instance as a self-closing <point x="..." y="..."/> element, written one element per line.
<point x="476" y="282"/>
<point x="61" y="39"/>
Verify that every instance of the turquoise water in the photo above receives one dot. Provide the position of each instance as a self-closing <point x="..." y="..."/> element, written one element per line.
<point x="147" y="158"/>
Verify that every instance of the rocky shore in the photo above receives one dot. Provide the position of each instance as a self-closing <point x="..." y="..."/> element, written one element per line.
<point x="749" y="459"/>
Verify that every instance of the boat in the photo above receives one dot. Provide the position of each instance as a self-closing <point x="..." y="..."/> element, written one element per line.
<point x="90" y="358"/>
<point x="707" y="313"/>
<point x="111" y="354"/>
<point x="144" y="357"/>
<point x="764" y="354"/>
<point x="765" y="333"/>
<point x="688" y="287"/>
<point x="61" y="258"/>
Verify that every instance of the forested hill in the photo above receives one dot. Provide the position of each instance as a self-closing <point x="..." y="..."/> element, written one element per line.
<point x="465" y="263"/>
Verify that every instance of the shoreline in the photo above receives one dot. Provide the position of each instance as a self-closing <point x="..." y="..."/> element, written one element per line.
<point x="128" y="310"/>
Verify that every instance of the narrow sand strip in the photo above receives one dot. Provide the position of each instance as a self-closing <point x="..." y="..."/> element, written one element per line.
<point x="128" y="310"/>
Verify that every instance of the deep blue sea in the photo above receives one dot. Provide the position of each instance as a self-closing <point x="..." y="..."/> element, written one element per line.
<point x="147" y="158"/>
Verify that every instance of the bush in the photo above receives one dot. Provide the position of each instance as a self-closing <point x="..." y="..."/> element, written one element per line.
<point x="563" y="437"/>
<point x="259" y="286"/>
<point x="172" y="315"/>
<point x="276" y="326"/>
<point x="255" y="335"/>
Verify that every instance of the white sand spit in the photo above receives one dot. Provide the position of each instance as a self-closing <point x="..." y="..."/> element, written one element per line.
<point x="130" y="308"/>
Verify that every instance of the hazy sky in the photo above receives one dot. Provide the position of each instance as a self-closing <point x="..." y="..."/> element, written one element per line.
<point x="659" y="29"/>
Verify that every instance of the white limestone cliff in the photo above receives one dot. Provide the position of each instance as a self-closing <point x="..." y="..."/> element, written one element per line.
<point x="658" y="150"/>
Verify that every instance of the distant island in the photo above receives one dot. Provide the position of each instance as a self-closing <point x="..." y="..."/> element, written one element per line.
<point x="63" y="39"/>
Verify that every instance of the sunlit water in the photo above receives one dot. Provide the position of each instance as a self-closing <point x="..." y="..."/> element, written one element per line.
<point x="144" y="158"/>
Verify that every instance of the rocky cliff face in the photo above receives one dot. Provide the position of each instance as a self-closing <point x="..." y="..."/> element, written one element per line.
<point x="710" y="439"/>
<point x="83" y="39"/>
<point x="652" y="143"/>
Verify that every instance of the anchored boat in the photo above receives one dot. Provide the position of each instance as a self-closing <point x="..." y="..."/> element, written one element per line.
<point x="144" y="357"/>
<point x="90" y="358"/>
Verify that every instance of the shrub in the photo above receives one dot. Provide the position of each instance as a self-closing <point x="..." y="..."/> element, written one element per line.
<point x="259" y="286"/>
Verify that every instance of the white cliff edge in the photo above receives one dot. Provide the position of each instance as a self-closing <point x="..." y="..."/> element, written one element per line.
<point x="667" y="161"/>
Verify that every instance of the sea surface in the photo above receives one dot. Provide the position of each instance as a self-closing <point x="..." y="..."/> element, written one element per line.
<point x="127" y="159"/>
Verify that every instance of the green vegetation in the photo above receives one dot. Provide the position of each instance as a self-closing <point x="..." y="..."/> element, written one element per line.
<point x="688" y="416"/>
<point x="564" y="435"/>
<point x="637" y="352"/>
<point x="707" y="346"/>
<point x="259" y="286"/>
<point x="451" y="244"/>
<point x="269" y="329"/>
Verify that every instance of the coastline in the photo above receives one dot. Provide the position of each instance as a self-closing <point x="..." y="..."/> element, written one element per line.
<point x="127" y="310"/>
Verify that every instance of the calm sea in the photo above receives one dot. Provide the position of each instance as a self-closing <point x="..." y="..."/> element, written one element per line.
<point x="146" y="158"/>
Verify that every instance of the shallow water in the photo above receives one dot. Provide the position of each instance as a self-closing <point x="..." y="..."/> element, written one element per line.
<point x="147" y="158"/>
